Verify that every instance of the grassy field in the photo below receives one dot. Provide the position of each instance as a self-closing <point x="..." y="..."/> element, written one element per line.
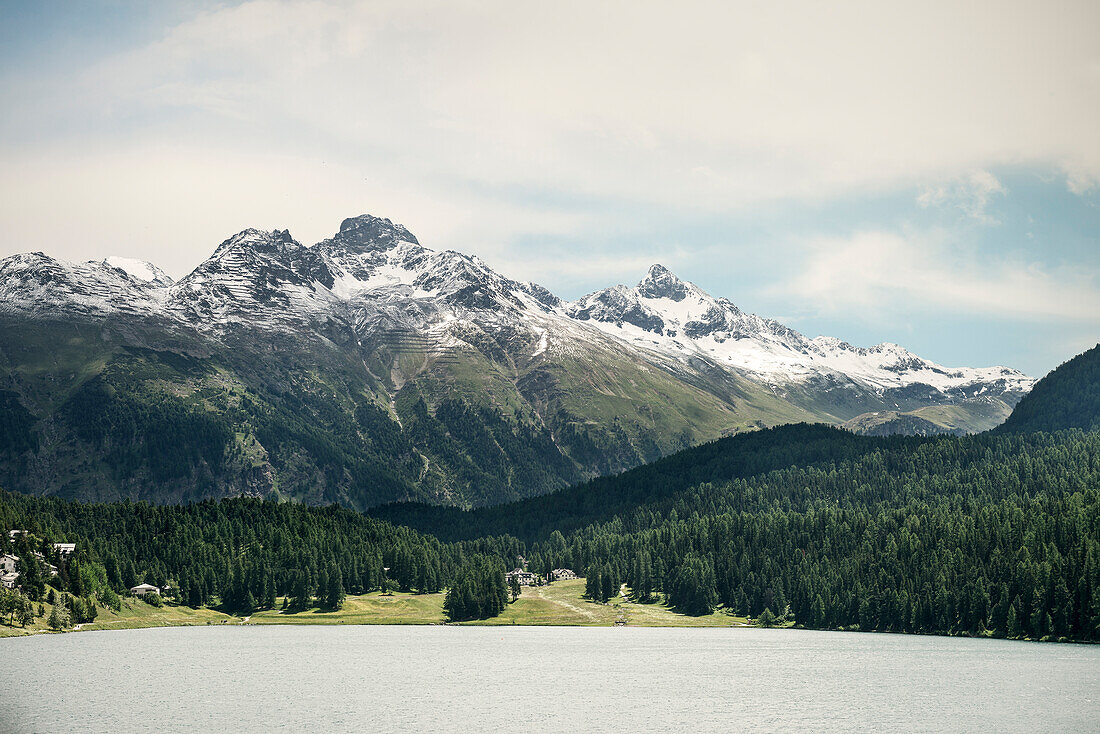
<point x="134" y="614"/>
<point x="373" y="608"/>
<point x="561" y="603"/>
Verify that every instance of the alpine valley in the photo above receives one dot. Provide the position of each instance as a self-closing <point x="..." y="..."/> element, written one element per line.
<point x="368" y="369"/>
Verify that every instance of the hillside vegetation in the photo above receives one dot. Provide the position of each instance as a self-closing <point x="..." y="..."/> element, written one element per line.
<point x="998" y="532"/>
<point x="1069" y="397"/>
<point x="993" y="534"/>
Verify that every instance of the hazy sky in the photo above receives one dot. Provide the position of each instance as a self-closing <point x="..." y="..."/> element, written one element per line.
<point x="922" y="173"/>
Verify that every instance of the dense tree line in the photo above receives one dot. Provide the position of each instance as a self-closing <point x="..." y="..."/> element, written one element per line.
<point x="991" y="534"/>
<point x="1069" y="397"/>
<point x="478" y="590"/>
<point x="994" y="533"/>
<point x="998" y="534"/>
<point x="743" y="455"/>
<point x="239" y="554"/>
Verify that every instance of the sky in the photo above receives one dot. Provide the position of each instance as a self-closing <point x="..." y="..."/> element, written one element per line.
<point x="920" y="173"/>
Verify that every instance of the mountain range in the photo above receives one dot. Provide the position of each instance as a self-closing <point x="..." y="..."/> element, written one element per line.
<point x="368" y="368"/>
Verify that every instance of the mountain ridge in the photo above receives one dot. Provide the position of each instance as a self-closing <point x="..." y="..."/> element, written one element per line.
<point x="368" y="368"/>
<point x="370" y="254"/>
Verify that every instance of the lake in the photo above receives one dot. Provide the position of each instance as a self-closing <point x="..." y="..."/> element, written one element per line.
<point x="543" y="679"/>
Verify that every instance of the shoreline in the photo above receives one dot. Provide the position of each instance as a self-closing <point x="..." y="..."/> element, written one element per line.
<point x="86" y="628"/>
<point x="558" y="605"/>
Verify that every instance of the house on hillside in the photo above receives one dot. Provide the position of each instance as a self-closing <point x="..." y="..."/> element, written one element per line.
<point x="143" y="589"/>
<point x="49" y="567"/>
<point x="8" y="580"/>
<point x="65" y="549"/>
<point x="525" y="578"/>
<point x="13" y="534"/>
<point x="7" y="563"/>
<point x="562" y="574"/>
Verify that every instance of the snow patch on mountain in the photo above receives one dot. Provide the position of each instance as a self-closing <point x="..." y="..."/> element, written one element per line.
<point x="141" y="270"/>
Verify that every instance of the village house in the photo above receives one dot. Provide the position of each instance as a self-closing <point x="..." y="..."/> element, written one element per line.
<point x="8" y="580"/>
<point x="7" y="563"/>
<point x="64" y="549"/>
<point x="143" y="589"/>
<point x="50" y="568"/>
<point x="525" y="578"/>
<point x="560" y="574"/>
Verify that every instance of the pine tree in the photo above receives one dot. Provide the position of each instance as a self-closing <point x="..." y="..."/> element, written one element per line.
<point x="334" y="595"/>
<point x="593" y="584"/>
<point x="609" y="586"/>
<point x="1012" y="625"/>
<point x="817" y="612"/>
<point x="513" y="585"/>
<point x="59" y="615"/>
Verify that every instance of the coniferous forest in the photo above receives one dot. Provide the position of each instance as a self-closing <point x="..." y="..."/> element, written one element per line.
<point x="997" y="533"/>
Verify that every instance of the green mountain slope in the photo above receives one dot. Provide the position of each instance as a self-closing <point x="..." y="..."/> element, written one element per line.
<point x="968" y="416"/>
<point x="1069" y="397"/>
<point x="107" y="411"/>
<point x="989" y="534"/>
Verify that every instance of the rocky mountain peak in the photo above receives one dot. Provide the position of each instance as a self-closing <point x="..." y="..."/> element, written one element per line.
<point x="616" y="305"/>
<point x="660" y="282"/>
<point x="366" y="233"/>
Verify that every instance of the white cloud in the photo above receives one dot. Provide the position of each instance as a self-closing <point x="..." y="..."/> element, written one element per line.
<point x="1081" y="181"/>
<point x="888" y="273"/>
<point x="477" y="124"/>
<point x="970" y="194"/>
<point x="173" y="206"/>
<point x="791" y="99"/>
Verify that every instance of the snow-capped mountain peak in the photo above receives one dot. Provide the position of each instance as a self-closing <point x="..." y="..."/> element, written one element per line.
<point x="367" y="233"/>
<point x="36" y="283"/>
<point x="660" y="282"/>
<point x="676" y="318"/>
<point x="374" y="272"/>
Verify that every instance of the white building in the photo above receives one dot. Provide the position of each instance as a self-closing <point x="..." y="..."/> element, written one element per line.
<point x="525" y="578"/>
<point x="48" y="567"/>
<point x="7" y="563"/>
<point x="8" y="580"/>
<point x="65" y="549"/>
<point x="559" y="574"/>
<point x="143" y="589"/>
<point x="13" y="534"/>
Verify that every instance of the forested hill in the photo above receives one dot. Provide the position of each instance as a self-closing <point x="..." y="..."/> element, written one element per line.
<point x="1069" y="397"/>
<point x="236" y="553"/>
<point x="983" y="534"/>
<point x="792" y="468"/>
<point x="740" y="456"/>
<point x="986" y="534"/>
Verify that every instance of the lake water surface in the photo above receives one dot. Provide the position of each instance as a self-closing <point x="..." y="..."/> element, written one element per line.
<point x="540" y="679"/>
